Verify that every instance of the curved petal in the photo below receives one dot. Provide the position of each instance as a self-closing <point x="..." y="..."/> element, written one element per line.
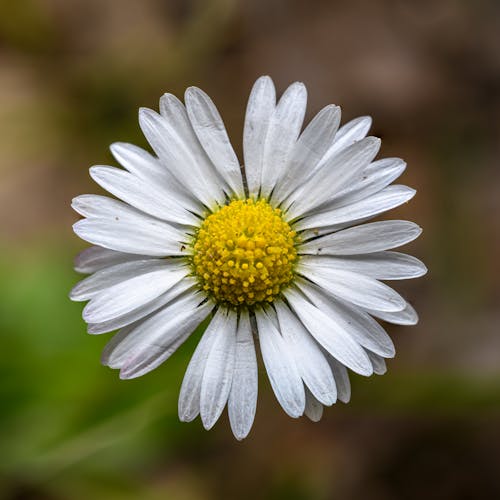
<point x="353" y="287"/>
<point x="209" y="128"/>
<point x="157" y="338"/>
<point x="261" y="105"/>
<point x="144" y="165"/>
<point x="367" y="238"/>
<point x="329" y="334"/>
<point x="311" y="362"/>
<point x="179" y="159"/>
<point x="408" y="316"/>
<point x="189" y="397"/>
<point x="386" y="199"/>
<point x="242" y="401"/>
<point x="313" y="409"/>
<point x="348" y="134"/>
<point x="95" y="258"/>
<point x="378" y="265"/>
<point x="283" y="130"/>
<point x="353" y="321"/>
<point x="307" y="151"/>
<point x="333" y="177"/>
<point x="218" y="373"/>
<point x="280" y="366"/>
<point x="144" y="310"/>
<point x="126" y="296"/>
<point x="341" y="380"/>
<point x="143" y="195"/>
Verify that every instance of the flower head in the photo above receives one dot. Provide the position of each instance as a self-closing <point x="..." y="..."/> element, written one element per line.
<point x="277" y="251"/>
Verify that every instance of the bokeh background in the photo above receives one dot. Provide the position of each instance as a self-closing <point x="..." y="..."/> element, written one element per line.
<point x="72" y="75"/>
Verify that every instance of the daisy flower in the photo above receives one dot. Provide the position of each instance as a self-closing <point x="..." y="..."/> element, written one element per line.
<point x="275" y="252"/>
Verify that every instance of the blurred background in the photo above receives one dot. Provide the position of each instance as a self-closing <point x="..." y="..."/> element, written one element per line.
<point x="72" y="75"/>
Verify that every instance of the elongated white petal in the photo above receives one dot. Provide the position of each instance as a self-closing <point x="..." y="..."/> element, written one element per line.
<point x="280" y="366"/>
<point x="372" y="179"/>
<point x="307" y="151"/>
<point x="367" y="238"/>
<point x="341" y="380"/>
<point x="131" y="293"/>
<point x="352" y="320"/>
<point x="209" y="128"/>
<point x="179" y="159"/>
<point x="348" y="134"/>
<point x="155" y="330"/>
<point x="110" y="276"/>
<point x="283" y="130"/>
<point x="378" y="362"/>
<point x="243" y="396"/>
<point x="333" y="177"/>
<point x="261" y="105"/>
<point x="313" y="409"/>
<point x="386" y="199"/>
<point x="378" y="265"/>
<point x="161" y="335"/>
<point x="174" y="112"/>
<point x="189" y="397"/>
<point x="311" y="362"/>
<point x="408" y="316"/>
<point x="329" y="334"/>
<point x="144" y="165"/>
<point x="356" y="288"/>
<point x="142" y="195"/>
<point x="218" y="374"/>
<point x="95" y="258"/>
<point x="144" y="310"/>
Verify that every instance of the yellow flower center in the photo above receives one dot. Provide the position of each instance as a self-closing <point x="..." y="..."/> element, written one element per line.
<point x="244" y="253"/>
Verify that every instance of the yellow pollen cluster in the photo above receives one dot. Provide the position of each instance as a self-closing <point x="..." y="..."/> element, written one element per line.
<point x="244" y="253"/>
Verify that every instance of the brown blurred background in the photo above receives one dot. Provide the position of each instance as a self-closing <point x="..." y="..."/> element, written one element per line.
<point x="72" y="75"/>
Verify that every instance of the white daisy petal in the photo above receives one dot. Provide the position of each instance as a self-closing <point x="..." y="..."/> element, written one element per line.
<point x="378" y="265"/>
<point x="211" y="133"/>
<point x="261" y="105"/>
<point x="109" y="276"/>
<point x="218" y="373"/>
<point x="348" y="134"/>
<point x="178" y="158"/>
<point x="242" y="401"/>
<point x="311" y="362"/>
<point x="189" y="397"/>
<point x="333" y="177"/>
<point x="131" y="293"/>
<point x="176" y="115"/>
<point x="142" y="195"/>
<point x="161" y="337"/>
<point x="372" y="179"/>
<point x="159" y="328"/>
<point x="367" y="238"/>
<point x="378" y="362"/>
<point x="147" y="167"/>
<point x="307" y="151"/>
<point x="408" y="316"/>
<point x="313" y="409"/>
<point x="352" y="320"/>
<point x="329" y="334"/>
<point x="353" y="287"/>
<point x="144" y="310"/>
<point x="386" y="199"/>
<point x="283" y="130"/>
<point x="94" y="259"/>
<point x="341" y="380"/>
<point x="280" y="366"/>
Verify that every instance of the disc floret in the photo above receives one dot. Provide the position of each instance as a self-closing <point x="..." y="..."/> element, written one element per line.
<point x="244" y="253"/>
